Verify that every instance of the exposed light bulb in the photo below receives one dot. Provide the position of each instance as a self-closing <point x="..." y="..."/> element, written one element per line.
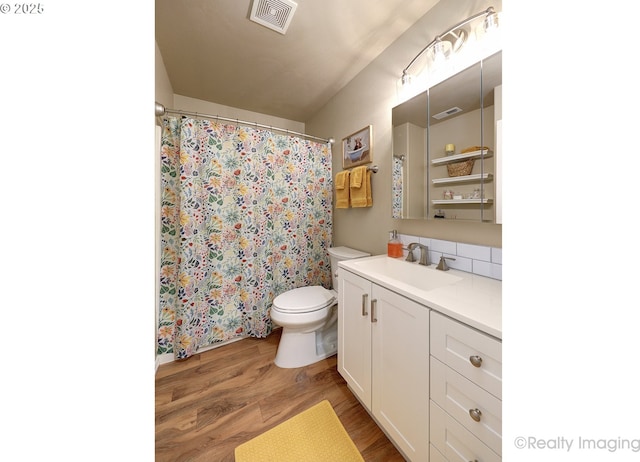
<point x="440" y="51"/>
<point x="491" y="22"/>
<point x="460" y="37"/>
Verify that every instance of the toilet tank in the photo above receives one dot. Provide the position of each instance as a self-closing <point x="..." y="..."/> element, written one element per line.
<point x="337" y="254"/>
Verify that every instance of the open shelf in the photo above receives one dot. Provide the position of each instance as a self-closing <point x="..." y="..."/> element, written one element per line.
<point x="461" y="201"/>
<point x="464" y="179"/>
<point x="460" y="157"/>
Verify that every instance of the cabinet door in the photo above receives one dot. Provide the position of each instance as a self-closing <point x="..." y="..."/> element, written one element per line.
<point x="354" y="334"/>
<point x="400" y="370"/>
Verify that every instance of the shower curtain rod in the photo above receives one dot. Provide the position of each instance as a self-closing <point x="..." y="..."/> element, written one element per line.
<point x="161" y="110"/>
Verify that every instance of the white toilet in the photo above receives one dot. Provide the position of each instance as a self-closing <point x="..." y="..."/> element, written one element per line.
<point x="309" y="318"/>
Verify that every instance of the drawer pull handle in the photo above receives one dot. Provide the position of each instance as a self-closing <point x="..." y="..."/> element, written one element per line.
<point x="374" y="303"/>
<point x="364" y="304"/>
<point x="475" y="414"/>
<point x="475" y="360"/>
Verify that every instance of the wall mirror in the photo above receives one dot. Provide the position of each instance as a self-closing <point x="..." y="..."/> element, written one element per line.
<point x="446" y="148"/>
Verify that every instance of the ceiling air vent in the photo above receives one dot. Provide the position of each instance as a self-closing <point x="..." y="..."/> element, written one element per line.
<point x="274" y="14"/>
<point x="447" y="113"/>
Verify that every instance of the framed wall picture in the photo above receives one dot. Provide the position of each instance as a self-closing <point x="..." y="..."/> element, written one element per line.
<point x="357" y="148"/>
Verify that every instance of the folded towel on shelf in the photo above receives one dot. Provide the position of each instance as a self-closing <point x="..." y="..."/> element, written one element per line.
<point x="342" y="190"/>
<point x="360" y="187"/>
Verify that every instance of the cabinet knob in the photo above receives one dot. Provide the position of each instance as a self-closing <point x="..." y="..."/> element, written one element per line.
<point x="475" y="414"/>
<point x="475" y="360"/>
<point x="364" y="304"/>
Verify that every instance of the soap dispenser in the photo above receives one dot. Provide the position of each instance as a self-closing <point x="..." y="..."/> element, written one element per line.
<point x="394" y="246"/>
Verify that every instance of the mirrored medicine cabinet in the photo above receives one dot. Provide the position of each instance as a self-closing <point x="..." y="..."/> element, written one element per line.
<point x="446" y="148"/>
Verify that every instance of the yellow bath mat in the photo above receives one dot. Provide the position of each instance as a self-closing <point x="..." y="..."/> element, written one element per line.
<point x="314" y="435"/>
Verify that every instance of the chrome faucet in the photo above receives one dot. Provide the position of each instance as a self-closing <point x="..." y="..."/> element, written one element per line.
<point x="424" y="253"/>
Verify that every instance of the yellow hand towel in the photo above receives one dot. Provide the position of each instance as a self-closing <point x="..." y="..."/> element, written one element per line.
<point x="361" y="193"/>
<point x="342" y="178"/>
<point x="356" y="176"/>
<point x="342" y="190"/>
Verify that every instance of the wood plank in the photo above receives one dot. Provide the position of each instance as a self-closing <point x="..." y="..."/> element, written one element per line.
<point x="209" y="404"/>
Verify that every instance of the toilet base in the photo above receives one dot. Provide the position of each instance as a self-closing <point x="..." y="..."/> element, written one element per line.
<point x="298" y="349"/>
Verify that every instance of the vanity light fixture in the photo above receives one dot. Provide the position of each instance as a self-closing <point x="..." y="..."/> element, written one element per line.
<point x="440" y="48"/>
<point x="440" y="51"/>
<point x="459" y="37"/>
<point x="491" y="21"/>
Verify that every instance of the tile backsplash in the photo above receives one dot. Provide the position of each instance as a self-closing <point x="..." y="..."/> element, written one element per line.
<point x="477" y="259"/>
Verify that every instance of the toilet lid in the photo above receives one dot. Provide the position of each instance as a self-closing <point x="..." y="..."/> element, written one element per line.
<point x="304" y="300"/>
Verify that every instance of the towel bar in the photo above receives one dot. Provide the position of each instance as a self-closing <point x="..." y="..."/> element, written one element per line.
<point x="373" y="168"/>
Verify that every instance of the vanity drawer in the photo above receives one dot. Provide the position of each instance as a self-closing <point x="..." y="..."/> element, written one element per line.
<point x="453" y="442"/>
<point x="477" y="410"/>
<point x="475" y="355"/>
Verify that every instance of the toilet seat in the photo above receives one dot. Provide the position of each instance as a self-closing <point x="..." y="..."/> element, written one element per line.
<point x="304" y="300"/>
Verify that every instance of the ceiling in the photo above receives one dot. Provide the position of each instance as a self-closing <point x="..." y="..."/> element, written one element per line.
<point x="213" y="52"/>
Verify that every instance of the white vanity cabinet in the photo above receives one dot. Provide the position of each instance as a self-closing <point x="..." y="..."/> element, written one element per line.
<point x="383" y="354"/>
<point x="422" y="351"/>
<point x="466" y="392"/>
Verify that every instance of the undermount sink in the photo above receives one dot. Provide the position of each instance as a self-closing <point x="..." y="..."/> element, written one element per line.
<point x="417" y="276"/>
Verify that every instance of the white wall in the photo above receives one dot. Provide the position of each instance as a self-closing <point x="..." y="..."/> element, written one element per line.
<point x="185" y="103"/>
<point x="164" y="90"/>
<point x="164" y="96"/>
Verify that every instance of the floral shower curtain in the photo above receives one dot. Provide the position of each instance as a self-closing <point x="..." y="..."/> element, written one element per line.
<point x="246" y="215"/>
<point x="397" y="180"/>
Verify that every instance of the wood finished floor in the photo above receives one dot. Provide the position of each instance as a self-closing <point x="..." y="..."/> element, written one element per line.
<point x="214" y="401"/>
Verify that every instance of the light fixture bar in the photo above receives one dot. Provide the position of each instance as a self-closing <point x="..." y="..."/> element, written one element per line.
<point x="489" y="11"/>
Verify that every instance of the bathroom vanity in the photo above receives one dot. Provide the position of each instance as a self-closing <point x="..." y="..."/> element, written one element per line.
<point x="422" y="351"/>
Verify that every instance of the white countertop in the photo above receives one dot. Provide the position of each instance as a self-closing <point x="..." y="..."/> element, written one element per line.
<point x="471" y="299"/>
